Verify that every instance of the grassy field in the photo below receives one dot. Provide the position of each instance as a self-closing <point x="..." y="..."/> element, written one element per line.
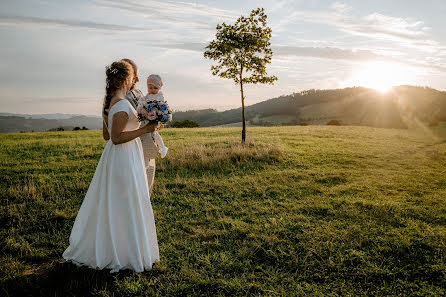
<point x="302" y="211"/>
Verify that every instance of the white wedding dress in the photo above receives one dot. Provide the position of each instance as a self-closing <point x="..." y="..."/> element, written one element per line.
<point x="115" y="226"/>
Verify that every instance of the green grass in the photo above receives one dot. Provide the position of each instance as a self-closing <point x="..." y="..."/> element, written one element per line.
<point x="302" y="211"/>
<point x="236" y="124"/>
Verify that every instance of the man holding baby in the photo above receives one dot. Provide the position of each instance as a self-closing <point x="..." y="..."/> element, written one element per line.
<point x="148" y="144"/>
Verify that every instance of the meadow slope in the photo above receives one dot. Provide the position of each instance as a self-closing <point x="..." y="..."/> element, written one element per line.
<point x="301" y="211"/>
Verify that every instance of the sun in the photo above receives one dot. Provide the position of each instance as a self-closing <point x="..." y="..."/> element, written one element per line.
<point x="381" y="76"/>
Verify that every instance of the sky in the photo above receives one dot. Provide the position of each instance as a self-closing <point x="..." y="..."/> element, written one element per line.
<point x="53" y="54"/>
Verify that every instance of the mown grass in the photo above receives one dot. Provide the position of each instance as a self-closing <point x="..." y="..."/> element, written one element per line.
<point x="301" y="211"/>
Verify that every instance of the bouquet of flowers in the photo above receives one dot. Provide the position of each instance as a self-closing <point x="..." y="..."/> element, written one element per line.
<point x="154" y="109"/>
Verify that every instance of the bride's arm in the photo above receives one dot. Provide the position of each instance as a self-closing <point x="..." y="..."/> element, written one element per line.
<point x="119" y="136"/>
<point x="104" y="128"/>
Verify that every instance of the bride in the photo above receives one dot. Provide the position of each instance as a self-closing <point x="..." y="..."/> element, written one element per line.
<point x="115" y="227"/>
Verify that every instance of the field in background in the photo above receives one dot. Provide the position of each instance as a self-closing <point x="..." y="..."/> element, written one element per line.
<point x="303" y="210"/>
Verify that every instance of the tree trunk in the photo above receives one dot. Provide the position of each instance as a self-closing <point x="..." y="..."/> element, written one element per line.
<point x="243" y="110"/>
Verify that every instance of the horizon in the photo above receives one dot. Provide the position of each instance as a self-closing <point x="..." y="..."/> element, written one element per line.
<point x="371" y="89"/>
<point x="55" y="53"/>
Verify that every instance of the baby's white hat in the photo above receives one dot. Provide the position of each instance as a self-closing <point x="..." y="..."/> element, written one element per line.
<point x="155" y="79"/>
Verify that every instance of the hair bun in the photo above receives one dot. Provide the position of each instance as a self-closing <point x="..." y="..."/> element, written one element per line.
<point x="116" y="75"/>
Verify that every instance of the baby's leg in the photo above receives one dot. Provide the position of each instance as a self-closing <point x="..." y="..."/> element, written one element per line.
<point x="162" y="149"/>
<point x="158" y="140"/>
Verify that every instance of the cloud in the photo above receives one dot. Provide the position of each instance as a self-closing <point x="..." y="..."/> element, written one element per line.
<point x="331" y="53"/>
<point x="353" y="55"/>
<point x="153" y="7"/>
<point x="341" y="7"/>
<point x="185" y="15"/>
<point x="404" y="33"/>
<point x="280" y="4"/>
<point x="375" y="25"/>
<point x="328" y="53"/>
<point x="382" y="26"/>
<point x="282" y="51"/>
<point x="14" y="20"/>
<point x="187" y="46"/>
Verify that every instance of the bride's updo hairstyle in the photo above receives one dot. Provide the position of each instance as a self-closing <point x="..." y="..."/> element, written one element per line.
<point x="116" y="74"/>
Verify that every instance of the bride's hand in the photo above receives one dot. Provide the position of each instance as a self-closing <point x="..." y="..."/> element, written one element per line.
<point x="150" y="127"/>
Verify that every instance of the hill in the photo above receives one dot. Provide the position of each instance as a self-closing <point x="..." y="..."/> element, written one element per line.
<point x="402" y="107"/>
<point x="48" y="116"/>
<point x="11" y="124"/>
<point x="302" y="211"/>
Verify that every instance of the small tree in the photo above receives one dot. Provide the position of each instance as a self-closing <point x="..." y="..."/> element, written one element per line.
<point x="241" y="49"/>
<point x="334" y="123"/>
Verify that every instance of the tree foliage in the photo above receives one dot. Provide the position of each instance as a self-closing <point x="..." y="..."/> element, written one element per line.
<point x="242" y="47"/>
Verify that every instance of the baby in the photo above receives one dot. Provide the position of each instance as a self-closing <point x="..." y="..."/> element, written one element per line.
<point x="154" y="84"/>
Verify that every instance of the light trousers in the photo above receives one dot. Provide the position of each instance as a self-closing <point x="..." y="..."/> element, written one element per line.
<point x="150" y="170"/>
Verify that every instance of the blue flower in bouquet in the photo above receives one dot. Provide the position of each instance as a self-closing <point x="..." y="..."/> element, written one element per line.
<point x="166" y="118"/>
<point x="151" y="106"/>
<point x="162" y="106"/>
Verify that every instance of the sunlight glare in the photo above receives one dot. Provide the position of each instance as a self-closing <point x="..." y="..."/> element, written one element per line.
<point x="381" y="76"/>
